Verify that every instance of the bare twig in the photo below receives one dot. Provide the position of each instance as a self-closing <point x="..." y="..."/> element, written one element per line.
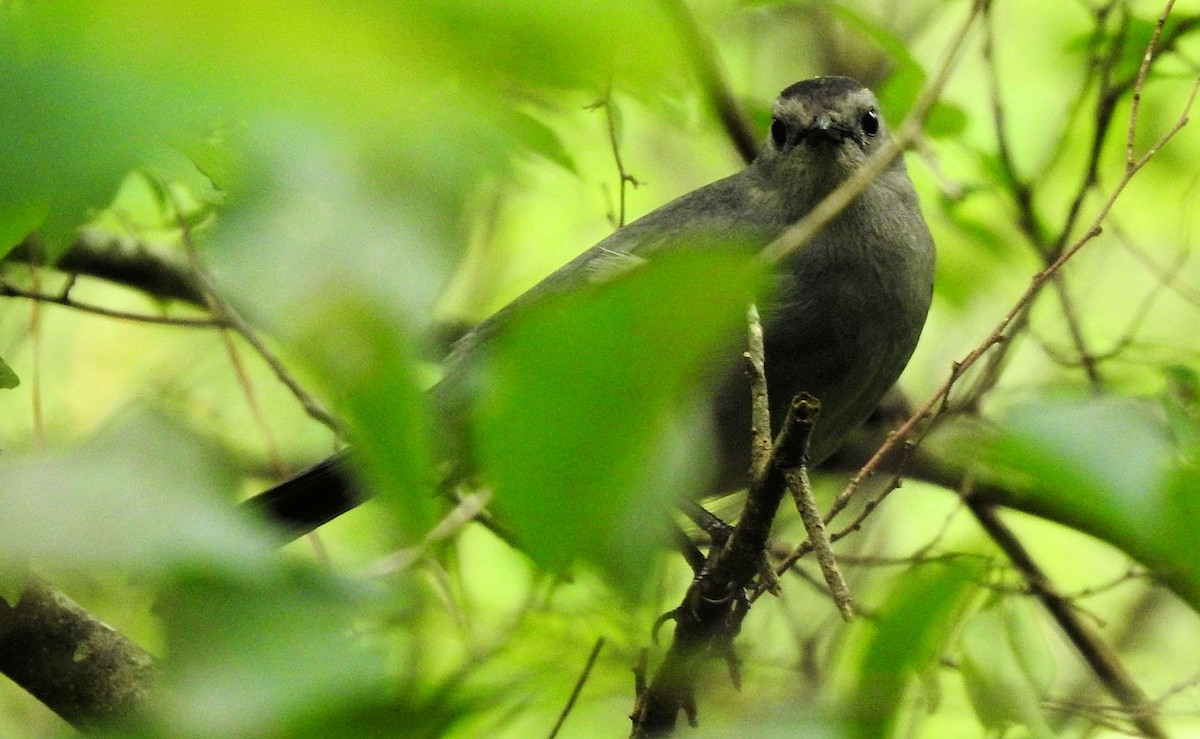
<point x="760" y="411"/>
<point x="216" y="307"/>
<point x="231" y="318"/>
<point x="1168" y="276"/>
<point x="470" y="507"/>
<point x="811" y="516"/>
<point x="64" y="299"/>
<point x="583" y="677"/>
<point x="624" y="178"/>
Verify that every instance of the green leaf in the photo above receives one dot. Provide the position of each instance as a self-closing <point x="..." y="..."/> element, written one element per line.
<point x="946" y="120"/>
<point x="281" y="658"/>
<point x="19" y="217"/>
<point x="8" y="378"/>
<point x="343" y="272"/>
<point x="1104" y="457"/>
<point x="369" y="358"/>
<point x="141" y="496"/>
<point x="1181" y="403"/>
<point x="907" y="636"/>
<point x="542" y="140"/>
<point x="1006" y="667"/>
<point x="170" y="166"/>
<point x="71" y="131"/>
<point x="579" y="420"/>
<point x="1108" y="467"/>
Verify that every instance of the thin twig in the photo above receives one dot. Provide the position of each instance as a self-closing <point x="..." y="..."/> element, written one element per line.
<point x="1135" y="105"/>
<point x="1168" y="276"/>
<point x="231" y="318"/>
<point x="623" y="176"/>
<point x="1023" y="195"/>
<point x="583" y="677"/>
<point x="65" y="300"/>
<point x="760" y="411"/>
<point x="811" y="516"/>
<point x="235" y="358"/>
<point x="470" y="507"/>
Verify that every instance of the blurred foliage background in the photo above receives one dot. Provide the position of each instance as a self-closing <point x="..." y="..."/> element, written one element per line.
<point x="346" y="177"/>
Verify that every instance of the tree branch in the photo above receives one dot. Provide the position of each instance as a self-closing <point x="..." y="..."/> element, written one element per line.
<point x="711" y="612"/>
<point x="66" y="658"/>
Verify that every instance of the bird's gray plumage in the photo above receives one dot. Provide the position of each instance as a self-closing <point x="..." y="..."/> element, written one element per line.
<point x="848" y="307"/>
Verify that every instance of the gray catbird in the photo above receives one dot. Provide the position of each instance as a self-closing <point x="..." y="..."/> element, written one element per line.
<point x="847" y="308"/>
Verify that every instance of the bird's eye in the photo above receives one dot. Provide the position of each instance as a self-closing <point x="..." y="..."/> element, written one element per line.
<point x="778" y="133"/>
<point x="870" y="122"/>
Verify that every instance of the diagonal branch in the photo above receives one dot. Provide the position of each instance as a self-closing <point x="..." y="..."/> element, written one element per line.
<point x="711" y="612"/>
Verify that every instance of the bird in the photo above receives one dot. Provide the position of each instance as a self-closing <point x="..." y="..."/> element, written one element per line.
<point x="846" y="309"/>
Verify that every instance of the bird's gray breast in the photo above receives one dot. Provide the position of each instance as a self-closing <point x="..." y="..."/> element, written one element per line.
<point x="843" y="320"/>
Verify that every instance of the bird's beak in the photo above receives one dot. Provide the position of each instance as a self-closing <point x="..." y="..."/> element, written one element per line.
<point x="823" y="131"/>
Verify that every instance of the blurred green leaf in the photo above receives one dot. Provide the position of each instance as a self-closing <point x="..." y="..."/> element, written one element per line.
<point x="1106" y="466"/>
<point x="554" y="44"/>
<point x="73" y="128"/>
<point x="907" y="636"/>
<point x="143" y="496"/>
<point x="576" y="419"/>
<point x="94" y="89"/>
<point x="542" y="140"/>
<point x="345" y="272"/>
<point x="1106" y="456"/>
<point x="1172" y="548"/>
<point x="314" y="227"/>
<point x="285" y="658"/>
<point x="169" y="166"/>
<point x="68" y="146"/>
<point x="371" y="362"/>
<point x="1006" y="666"/>
<point x="18" y="219"/>
<point x="1181" y="402"/>
<point x="1134" y="40"/>
<point x="946" y="120"/>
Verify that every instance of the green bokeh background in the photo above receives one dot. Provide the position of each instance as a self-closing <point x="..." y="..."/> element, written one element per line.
<point x="352" y="172"/>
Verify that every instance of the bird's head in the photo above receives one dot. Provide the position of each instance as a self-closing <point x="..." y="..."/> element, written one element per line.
<point x="829" y="123"/>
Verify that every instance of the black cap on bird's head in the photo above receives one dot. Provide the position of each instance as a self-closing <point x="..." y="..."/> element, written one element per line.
<point x="826" y="112"/>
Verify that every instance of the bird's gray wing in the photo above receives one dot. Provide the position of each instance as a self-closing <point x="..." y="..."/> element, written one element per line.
<point x="726" y="210"/>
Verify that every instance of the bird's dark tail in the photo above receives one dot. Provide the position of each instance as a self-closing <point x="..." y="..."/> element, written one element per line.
<point x="312" y="498"/>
